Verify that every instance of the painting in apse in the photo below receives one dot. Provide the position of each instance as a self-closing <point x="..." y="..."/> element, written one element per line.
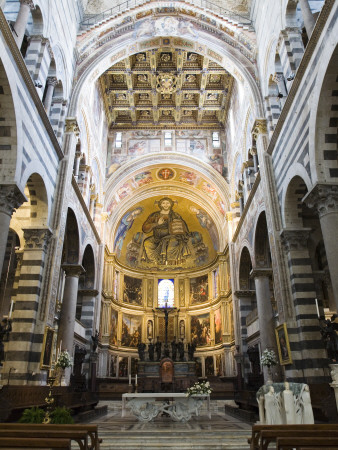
<point x="174" y="236"/>
<point x="218" y="326"/>
<point x="113" y="330"/>
<point x="131" y="330"/>
<point x="199" y="290"/>
<point x="200" y="330"/>
<point x="132" y="290"/>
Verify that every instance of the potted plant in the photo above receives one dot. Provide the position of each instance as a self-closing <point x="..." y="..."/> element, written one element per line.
<point x="64" y="360"/>
<point x="61" y="415"/>
<point x="269" y="359"/>
<point x="199" y="388"/>
<point x="32" y="415"/>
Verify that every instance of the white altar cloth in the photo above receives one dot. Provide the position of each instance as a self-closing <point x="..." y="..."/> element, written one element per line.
<point x="146" y="406"/>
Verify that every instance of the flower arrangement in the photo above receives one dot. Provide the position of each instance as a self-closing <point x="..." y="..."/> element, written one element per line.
<point x="268" y="358"/>
<point x="64" y="360"/>
<point x="201" y="388"/>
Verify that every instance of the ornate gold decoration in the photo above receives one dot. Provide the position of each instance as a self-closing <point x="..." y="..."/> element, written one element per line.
<point x="166" y="83"/>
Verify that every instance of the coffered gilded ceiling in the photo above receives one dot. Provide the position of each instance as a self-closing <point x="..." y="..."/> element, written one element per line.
<point x="166" y="88"/>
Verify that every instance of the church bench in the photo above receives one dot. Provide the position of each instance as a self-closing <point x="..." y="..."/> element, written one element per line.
<point x="305" y="443"/>
<point x="255" y="440"/>
<point x="79" y="436"/>
<point x="90" y="429"/>
<point x="268" y="436"/>
<point x="22" y="443"/>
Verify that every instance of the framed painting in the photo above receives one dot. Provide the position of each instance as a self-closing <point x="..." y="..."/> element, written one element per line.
<point x="47" y="347"/>
<point x="283" y="345"/>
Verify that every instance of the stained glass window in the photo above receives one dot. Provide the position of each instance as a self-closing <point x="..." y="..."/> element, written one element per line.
<point x="166" y="293"/>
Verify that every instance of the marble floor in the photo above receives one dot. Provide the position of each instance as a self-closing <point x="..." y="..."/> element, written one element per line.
<point x="220" y="432"/>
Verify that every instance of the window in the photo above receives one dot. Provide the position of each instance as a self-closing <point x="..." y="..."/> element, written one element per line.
<point x="215" y="139"/>
<point x="118" y="140"/>
<point x="167" y="139"/>
<point x="166" y="293"/>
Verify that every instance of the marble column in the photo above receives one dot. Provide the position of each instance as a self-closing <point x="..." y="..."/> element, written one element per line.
<point x="68" y="309"/>
<point x="324" y="198"/>
<point x="10" y="199"/>
<point x="51" y="83"/>
<point x="253" y="152"/>
<point x="21" y="20"/>
<point x="309" y="21"/>
<point x="77" y="164"/>
<point x="264" y="309"/>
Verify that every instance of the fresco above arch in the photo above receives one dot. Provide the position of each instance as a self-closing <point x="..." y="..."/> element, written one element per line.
<point x="166" y="233"/>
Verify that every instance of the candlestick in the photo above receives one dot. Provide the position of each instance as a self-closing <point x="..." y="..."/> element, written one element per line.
<point x="135" y="380"/>
<point x="11" y="309"/>
<point x="317" y="308"/>
<point x="129" y="379"/>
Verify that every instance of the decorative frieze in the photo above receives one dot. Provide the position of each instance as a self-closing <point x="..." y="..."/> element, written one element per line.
<point x="72" y="126"/>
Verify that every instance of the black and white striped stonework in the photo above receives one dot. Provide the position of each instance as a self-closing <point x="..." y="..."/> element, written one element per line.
<point x="26" y="338"/>
<point x="308" y="355"/>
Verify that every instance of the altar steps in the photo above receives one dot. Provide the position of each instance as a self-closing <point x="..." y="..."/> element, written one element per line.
<point x="194" y="439"/>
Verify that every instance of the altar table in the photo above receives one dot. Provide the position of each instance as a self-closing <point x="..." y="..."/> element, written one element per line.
<point x="146" y="406"/>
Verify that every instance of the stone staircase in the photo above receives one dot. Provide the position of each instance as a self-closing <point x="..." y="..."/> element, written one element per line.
<point x="193" y="439"/>
<point x="219" y="432"/>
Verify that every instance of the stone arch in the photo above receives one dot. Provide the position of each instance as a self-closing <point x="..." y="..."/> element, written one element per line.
<point x="96" y="60"/>
<point x="36" y="26"/>
<point x="292" y="205"/>
<point x="8" y="129"/>
<point x="245" y="266"/>
<point x="262" y="256"/>
<point x="290" y="19"/>
<point x="326" y="126"/>
<point x="71" y="246"/>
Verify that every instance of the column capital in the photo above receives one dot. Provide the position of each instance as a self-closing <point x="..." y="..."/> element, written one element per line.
<point x="73" y="270"/>
<point x="11" y="198"/>
<point x="253" y="151"/>
<point x="295" y="239"/>
<point x="259" y="273"/>
<point x="28" y="3"/>
<point x="259" y="127"/>
<point x="72" y="126"/>
<point x="52" y="81"/>
<point x="324" y="198"/>
<point x="37" y="238"/>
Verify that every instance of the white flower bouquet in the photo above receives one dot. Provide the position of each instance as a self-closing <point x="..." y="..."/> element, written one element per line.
<point x="64" y="360"/>
<point x="268" y="358"/>
<point x="202" y="388"/>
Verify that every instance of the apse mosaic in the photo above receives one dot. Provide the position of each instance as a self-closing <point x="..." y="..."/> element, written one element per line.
<point x="164" y="174"/>
<point x="200" y="330"/>
<point x="166" y="233"/>
<point x="131" y="330"/>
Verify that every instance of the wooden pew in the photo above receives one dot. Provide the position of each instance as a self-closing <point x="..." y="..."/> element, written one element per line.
<point x="90" y="429"/>
<point x="306" y="443"/>
<point x="34" y="443"/>
<point x="81" y="436"/>
<point x="268" y="436"/>
<point x="255" y="440"/>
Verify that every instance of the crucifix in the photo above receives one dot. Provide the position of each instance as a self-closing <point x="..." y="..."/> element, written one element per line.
<point x="166" y="311"/>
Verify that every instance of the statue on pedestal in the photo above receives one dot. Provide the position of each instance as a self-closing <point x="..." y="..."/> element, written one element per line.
<point x="330" y="336"/>
<point x="180" y="348"/>
<point x="141" y="346"/>
<point x="173" y="349"/>
<point x="151" y="351"/>
<point x="5" y="329"/>
<point x="158" y="347"/>
<point x="191" y="351"/>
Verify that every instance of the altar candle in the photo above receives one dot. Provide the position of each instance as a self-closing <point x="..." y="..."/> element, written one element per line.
<point x="136" y="380"/>
<point x="317" y="308"/>
<point x="129" y="379"/>
<point x="11" y="310"/>
<point x="60" y="345"/>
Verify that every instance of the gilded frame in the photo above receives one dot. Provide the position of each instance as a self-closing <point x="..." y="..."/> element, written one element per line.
<point x="283" y="345"/>
<point x="47" y="348"/>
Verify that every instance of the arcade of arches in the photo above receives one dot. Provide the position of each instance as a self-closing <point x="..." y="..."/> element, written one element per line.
<point x="168" y="156"/>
